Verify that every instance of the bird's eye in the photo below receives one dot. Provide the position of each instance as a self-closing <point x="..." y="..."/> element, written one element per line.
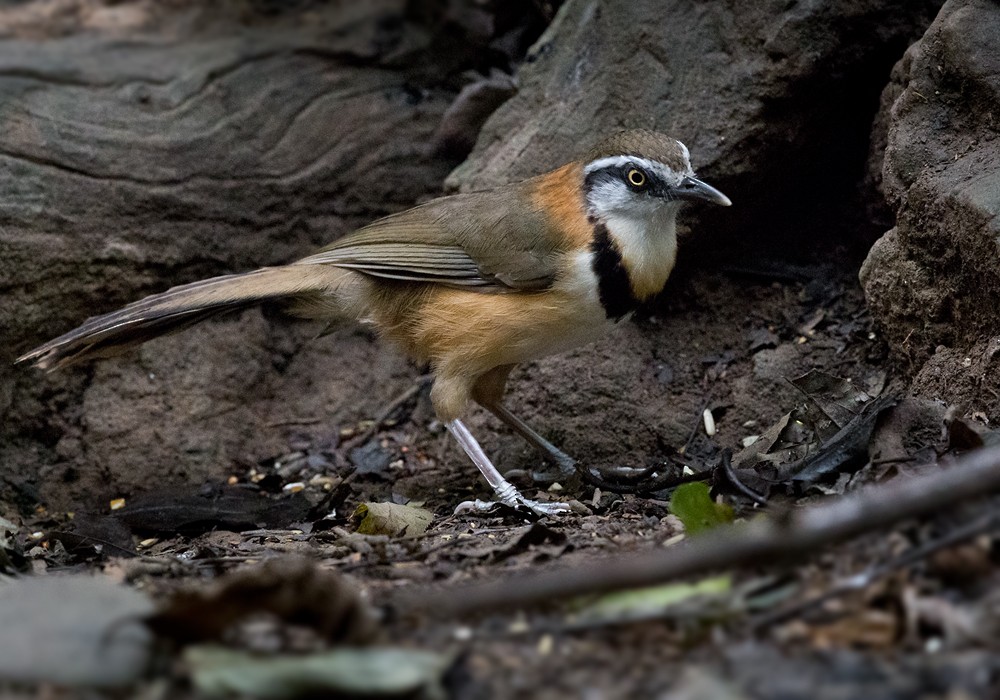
<point x="636" y="178"/>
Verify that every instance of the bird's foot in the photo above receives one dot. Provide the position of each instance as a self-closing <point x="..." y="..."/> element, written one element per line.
<point x="506" y="492"/>
<point x="512" y="498"/>
<point x="536" y="507"/>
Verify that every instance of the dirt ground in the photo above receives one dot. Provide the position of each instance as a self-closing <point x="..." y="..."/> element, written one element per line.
<point x="726" y="341"/>
<point x="224" y="474"/>
<point x="723" y="339"/>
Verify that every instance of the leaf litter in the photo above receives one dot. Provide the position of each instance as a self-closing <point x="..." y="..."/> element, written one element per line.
<point x="199" y="609"/>
<point x="829" y="431"/>
<point x="392" y="519"/>
<point x="90" y="632"/>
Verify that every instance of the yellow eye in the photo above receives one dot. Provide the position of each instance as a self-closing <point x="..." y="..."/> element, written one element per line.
<point x="636" y="178"/>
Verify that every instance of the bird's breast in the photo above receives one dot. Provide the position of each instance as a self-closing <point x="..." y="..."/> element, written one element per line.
<point x="478" y="331"/>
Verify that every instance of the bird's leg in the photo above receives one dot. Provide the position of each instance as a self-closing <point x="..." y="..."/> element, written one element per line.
<point x="566" y="464"/>
<point x="488" y="392"/>
<point x="505" y="491"/>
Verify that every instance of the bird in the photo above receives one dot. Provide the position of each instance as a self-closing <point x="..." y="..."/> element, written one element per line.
<point x="472" y="283"/>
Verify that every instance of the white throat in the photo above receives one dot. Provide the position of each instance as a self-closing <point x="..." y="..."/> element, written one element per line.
<point x="647" y="241"/>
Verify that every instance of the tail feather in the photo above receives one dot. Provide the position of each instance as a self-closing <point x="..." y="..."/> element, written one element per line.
<point x="179" y="308"/>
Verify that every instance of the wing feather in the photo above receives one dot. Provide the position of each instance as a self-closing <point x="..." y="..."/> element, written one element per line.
<point x="478" y="240"/>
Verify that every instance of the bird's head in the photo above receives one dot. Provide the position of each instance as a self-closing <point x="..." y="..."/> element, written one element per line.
<point x="642" y="174"/>
<point x="634" y="184"/>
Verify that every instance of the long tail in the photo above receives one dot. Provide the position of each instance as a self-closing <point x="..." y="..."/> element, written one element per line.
<point x="181" y="307"/>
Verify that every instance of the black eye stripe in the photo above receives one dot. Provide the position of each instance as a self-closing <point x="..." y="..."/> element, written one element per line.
<point x="618" y="174"/>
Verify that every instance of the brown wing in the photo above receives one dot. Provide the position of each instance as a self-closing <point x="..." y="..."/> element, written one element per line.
<point x="492" y="241"/>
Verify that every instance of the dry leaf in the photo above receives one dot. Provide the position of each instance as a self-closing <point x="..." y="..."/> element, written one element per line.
<point x="392" y="519"/>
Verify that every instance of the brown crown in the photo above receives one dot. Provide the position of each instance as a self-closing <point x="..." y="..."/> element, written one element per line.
<point x="641" y="143"/>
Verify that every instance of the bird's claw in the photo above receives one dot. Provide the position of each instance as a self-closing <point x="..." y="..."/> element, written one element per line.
<point x="517" y="502"/>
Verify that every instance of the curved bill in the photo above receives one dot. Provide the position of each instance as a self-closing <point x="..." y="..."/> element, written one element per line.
<point x="692" y="188"/>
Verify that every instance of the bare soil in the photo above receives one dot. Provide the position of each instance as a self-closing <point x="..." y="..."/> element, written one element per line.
<point x="722" y="340"/>
<point x="253" y="438"/>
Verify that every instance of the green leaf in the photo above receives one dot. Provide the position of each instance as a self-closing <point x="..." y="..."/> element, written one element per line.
<point x="696" y="509"/>
<point x="392" y="519"/>
<point x="644" y="602"/>
<point x="375" y="672"/>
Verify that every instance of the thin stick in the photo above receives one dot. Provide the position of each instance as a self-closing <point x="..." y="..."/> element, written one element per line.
<point x="760" y="541"/>
<point x="694" y="430"/>
<point x="726" y="465"/>
<point x="967" y="531"/>
<point x="640" y="483"/>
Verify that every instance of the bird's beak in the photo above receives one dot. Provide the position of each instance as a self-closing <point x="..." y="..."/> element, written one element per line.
<point x="693" y="188"/>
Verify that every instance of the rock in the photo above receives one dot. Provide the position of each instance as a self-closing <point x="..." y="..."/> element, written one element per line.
<point x="146" y="145"/>
<point x="880" y="213"/>
<point x="933" y="281"/>
<point x="145" y="150"/>
<point x="76" y="631"/>
<point x="775" y="101"/>
<point x="460" y="125"/>
<point x="911" y="426"/>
